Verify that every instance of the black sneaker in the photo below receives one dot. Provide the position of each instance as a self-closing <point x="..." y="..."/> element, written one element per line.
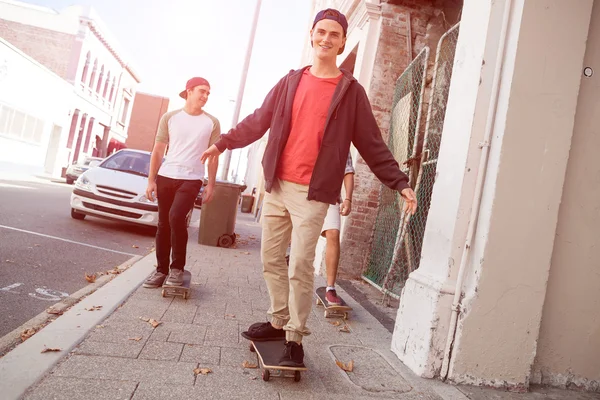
<point x="263" y="332"/>
<point x="293" y="355"/>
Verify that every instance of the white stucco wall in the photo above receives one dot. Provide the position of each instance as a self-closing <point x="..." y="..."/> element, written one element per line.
<point x="29" y="87"/>
<point x="568" y="352"/>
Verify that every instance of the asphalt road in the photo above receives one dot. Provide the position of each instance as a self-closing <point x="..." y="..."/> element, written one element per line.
<point x="45" y="254"/>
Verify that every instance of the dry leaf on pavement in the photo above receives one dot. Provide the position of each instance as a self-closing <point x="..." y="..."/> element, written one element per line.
<point x="54" y="312"/>
<point x="99" y="326"/>
<point x="230" y="315"/>
<point x="135" y="247"/>
<point x="346" y="367"/>
<point x="49" y="349"/>
<point x="154" y="323"/>
<point x="145" y="319"/>
<point x="90" y="278"/>
<point x="247" y="364"/>
<point x="335" y="323"/>
<point x="345" y="329"/>
<point x="247" y="253"/>
<point x="26" y="334"/>
<point x="137" y="339"/>
<point x="93" y="308"/>
<point x="202" y="371"/>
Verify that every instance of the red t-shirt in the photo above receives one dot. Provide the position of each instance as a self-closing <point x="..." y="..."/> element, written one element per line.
<point x="309" y="114"/>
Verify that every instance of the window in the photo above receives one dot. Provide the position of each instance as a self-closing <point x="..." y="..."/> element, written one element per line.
<point x="125" y="110"/>
<point x="100" y="79"/>
<point x="86" y="67"/>
<point x="6" y="114"/>
<point x="20" y="125"/>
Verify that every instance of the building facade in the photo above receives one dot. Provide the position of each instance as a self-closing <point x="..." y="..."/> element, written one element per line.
<point x="75" y="45"/>
<point x="490" y="109"/>
<point x="145" y="117"/>
<point x="34" y="112"/>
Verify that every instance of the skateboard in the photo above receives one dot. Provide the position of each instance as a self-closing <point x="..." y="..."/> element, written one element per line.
<point x="332" y="310"/>
<point x="268" y="354"/>
<point x="183" y="290"/>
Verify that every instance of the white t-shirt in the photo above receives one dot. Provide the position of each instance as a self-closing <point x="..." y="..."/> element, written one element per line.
<point x="187" y="137"/>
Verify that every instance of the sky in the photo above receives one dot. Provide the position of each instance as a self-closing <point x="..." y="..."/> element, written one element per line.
<point x="170" y="41"/>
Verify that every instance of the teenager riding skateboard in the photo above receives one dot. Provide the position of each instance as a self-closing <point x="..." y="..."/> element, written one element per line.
<point x="178" y="290"/>
<point x="332" y="309"/>
<point x="269" y="355"/>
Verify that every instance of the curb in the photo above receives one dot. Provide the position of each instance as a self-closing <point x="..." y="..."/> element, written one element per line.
<point x="25" y="365"/>
<point x="13" y="338"/>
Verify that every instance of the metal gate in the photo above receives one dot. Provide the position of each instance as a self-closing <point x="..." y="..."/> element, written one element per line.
<point x="415" y="142"/>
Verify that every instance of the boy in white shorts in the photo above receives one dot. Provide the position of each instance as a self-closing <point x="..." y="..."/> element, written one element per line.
<point x="331" y="232"/>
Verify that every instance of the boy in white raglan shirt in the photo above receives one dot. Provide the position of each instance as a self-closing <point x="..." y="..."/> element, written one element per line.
<point x="187" y="133"/>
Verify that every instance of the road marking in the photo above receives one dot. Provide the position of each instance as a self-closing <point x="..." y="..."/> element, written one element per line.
<point x="9" y="287"/>
<point x="8" y="185"/>
<point x="66" y="240"/>
<point x="50" y="295"/>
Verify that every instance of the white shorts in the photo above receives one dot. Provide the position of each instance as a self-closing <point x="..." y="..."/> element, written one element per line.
<point x="333" y="220"/>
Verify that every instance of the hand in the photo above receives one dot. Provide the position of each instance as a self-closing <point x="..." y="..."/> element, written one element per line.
<point x="211" y="152"/>
<point x="345" y="208"/>
<point x="151" y="190"/>
<point x="410" y="201"/>
<point x="208" y="193"/>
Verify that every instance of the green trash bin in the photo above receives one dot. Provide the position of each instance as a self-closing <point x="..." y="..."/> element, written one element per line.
<point x="217" y="218"/>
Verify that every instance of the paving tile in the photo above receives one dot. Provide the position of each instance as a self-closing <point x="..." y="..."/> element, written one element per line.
<point x="180" y="310"/>
<point x="143" y="308"/>
<point x="235" y="380"/>
<point x="164" y="351"/>
<point x="201" y="354"/>
<point x="111" y="368"/>
<point x="126" y="350"/>
<point x="146" y="391"/>
<point x="59" y="388"/>
<point x="188" y="334"/>
<point x="115" y="331"/>
<point x="235" y="356"/>
<point x="222" y="333"/>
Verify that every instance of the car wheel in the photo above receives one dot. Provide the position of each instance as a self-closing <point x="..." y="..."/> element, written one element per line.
<point x="70" y="181"/>
<point x="76" y="215"/>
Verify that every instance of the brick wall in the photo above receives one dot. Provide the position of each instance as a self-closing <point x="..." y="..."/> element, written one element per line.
<point x="391" y="60"/>
<point x="145" y="116"/>
<point x="51" y="49"/>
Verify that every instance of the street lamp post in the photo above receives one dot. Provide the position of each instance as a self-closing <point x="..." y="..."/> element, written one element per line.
<point x="240" y="96"/>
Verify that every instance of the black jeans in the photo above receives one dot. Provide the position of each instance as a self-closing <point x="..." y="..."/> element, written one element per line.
<point x="175" y="199"/>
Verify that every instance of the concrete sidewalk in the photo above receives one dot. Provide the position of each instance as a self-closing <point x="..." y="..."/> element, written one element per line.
<point x="124" y="357"/>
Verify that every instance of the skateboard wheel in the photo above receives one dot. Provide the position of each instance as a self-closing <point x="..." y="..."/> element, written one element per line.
<point x="345" y="315"/>
<point x="164" y="293"/>
<point x="326" y="313"/>
<point x="266" y="375"/>
<point x="185" y="295"/>
<point x="252" y="349"/>
<point x="297" y="376"/>
<point x="318" y="302"/>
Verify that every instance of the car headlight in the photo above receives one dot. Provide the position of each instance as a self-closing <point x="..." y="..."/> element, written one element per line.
<point x="144" y="199"/>
<point x="83" y="183"/>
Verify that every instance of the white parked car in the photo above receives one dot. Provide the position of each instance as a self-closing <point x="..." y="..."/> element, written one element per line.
<point x="75" y="170"/>
<point x="116" y="189"/>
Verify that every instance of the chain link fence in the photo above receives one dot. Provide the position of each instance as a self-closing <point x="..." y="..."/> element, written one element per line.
<point x="415" y="137"/>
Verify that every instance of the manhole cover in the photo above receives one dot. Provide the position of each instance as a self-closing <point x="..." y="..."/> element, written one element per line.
<point x="371" y="371"/>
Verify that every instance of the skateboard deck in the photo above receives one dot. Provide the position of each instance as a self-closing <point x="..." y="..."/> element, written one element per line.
<point x="183" y="290"/>
<point x="332" y="310"/>
<point x="268" y="355"/>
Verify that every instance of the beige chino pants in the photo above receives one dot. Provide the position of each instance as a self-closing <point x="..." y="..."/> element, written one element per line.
<point x="286" y="214"/>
